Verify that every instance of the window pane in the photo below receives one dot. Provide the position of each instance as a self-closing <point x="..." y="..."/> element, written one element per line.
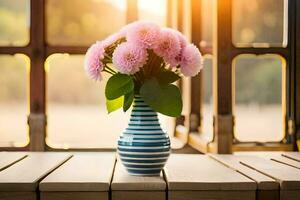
<point x="207" y="22"/>
<point x="154" y="10"/>
<point x="259" y="23"/>
<point x="78" y="22"/>
<point x="76" y="110"/>
<point x="14" y="22"/>
<point x="77" y="116"/>
<point x="207" y="108"/>
<point x="258" y="100"/>
<point x="13" y="100"/>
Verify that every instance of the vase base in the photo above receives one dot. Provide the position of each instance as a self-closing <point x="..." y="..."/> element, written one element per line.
<point x="134" y="174"/>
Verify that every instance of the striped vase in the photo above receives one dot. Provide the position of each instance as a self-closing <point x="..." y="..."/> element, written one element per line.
<point x="143" y="147"/>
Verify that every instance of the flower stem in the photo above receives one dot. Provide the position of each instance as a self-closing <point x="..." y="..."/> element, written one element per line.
<point x="110" y="69"/>
<point x="109" y="72"/>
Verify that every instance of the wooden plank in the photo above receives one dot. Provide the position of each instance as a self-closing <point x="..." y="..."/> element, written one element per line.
<point x="138" y="195"/>
<point x="287" y="176"/>
<point x="277" y="156"/>
<point x="18" y="195"/>
<point x="200" y="172"/>
<point x="9" y="158"/>
<point x="286" y="161"/>
<point x="292" y="155"/>
<point x="24" y="175"/>
<point x="83" y="172"/>
<point x="267" y="188"/>
<point x="74" y="195"/>
<point x="128" y="187"/>
<point x="212" y="195"/>
<point x="123" y="181"/>
<point x="263" y="182"/>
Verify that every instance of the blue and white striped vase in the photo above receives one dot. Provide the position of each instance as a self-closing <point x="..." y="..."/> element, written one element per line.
<point x="143" y="147"/>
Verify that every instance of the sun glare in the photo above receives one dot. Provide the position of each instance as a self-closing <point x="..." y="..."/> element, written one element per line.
<point x="157" y="7"/>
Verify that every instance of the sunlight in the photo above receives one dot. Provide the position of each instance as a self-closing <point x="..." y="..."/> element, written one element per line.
<point x="155" y="7"/>
<point x="120" y="4"/>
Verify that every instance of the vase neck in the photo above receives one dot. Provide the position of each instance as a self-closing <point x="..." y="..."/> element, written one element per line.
<point x="140" y="105"/>
<point x="139" y="100"/>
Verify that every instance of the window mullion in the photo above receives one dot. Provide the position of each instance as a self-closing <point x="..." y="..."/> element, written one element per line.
<point x="222" y="54"/>
<point x="37" y="117"/>
<point x="196" y="89"/>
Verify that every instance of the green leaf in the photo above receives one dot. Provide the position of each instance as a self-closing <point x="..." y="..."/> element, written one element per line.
<point x="128" y="99"/>
<point x="165" y="99"/>
<point x="118" y="85"/>
<point x="112" y="105"/>
<point x="167" y="77"/>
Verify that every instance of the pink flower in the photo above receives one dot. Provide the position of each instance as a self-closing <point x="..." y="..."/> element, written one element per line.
<point x="182" y="39"/>
<point x="175" y="61"/>
<point x="168" y="46"/>
<point x="191" y="61"/>
<point x="142" y="33"/>
<point x="92" y="63"/>
<point x="128" y="58"/>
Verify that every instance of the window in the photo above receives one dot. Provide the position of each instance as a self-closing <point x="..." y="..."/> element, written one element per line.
<point x="259" y="98"/>
<point x="206" y="22"/>
<point x="250" y="44"/>
<point x="77" y="116"/>
<point x="154" y="10"/>
<point x="14" y="22"/>
<point x="260" y="23"/>
<point x="14" y="73"/>
<point x="206" y="129"/>
<point x="66" y="27"/>
<point x="38" y="50"/>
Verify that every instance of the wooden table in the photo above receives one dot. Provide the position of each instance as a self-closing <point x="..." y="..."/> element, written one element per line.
<point x="125" y="186"/>
<point x="86" y="176"/>
<point x="96" y="175"/>
<point x="201" y="177"/>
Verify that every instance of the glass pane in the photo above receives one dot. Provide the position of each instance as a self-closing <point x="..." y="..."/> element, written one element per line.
<point x="207" y="22"/>
<point x="186" y="19"/>
<point x="154" y="10"/>
<point x="259" y="23"/>
<point x="258" y="100"/>
<point x="77" y="116"/>
<point x="78" y="22"/>
<point x="14" y="22"/>
<point x="13" y="100"/>
<point x="207" y="108"/>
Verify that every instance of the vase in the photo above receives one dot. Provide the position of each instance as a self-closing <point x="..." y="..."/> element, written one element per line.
<point x="143" y="147"/>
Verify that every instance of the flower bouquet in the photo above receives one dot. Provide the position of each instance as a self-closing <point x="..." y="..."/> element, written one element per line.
<point x="144" y="61"/>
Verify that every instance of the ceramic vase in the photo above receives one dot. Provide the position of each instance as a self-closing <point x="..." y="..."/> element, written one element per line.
<point x="143" y="147"/>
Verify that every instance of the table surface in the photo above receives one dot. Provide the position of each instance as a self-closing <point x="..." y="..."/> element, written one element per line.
<point x="93" y="172"/>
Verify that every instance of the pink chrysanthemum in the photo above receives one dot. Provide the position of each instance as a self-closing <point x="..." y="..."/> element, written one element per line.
<point x="191" y="61"/>
<point x="175" y="61"/>
<point x="92" y="63"/>
<point x="168" y="46"/>
<point x="128" y="58"/>
<point x="182" y="39"/>
<point x="142" y="33"/>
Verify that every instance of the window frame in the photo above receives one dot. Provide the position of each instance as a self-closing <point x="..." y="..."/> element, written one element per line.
<point x="224" y="51"/>
<point x="38" y="50"/>
<point x="187" y="126"/>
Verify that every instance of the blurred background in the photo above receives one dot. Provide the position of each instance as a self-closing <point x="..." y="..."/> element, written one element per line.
<point x="75" y="105"/>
